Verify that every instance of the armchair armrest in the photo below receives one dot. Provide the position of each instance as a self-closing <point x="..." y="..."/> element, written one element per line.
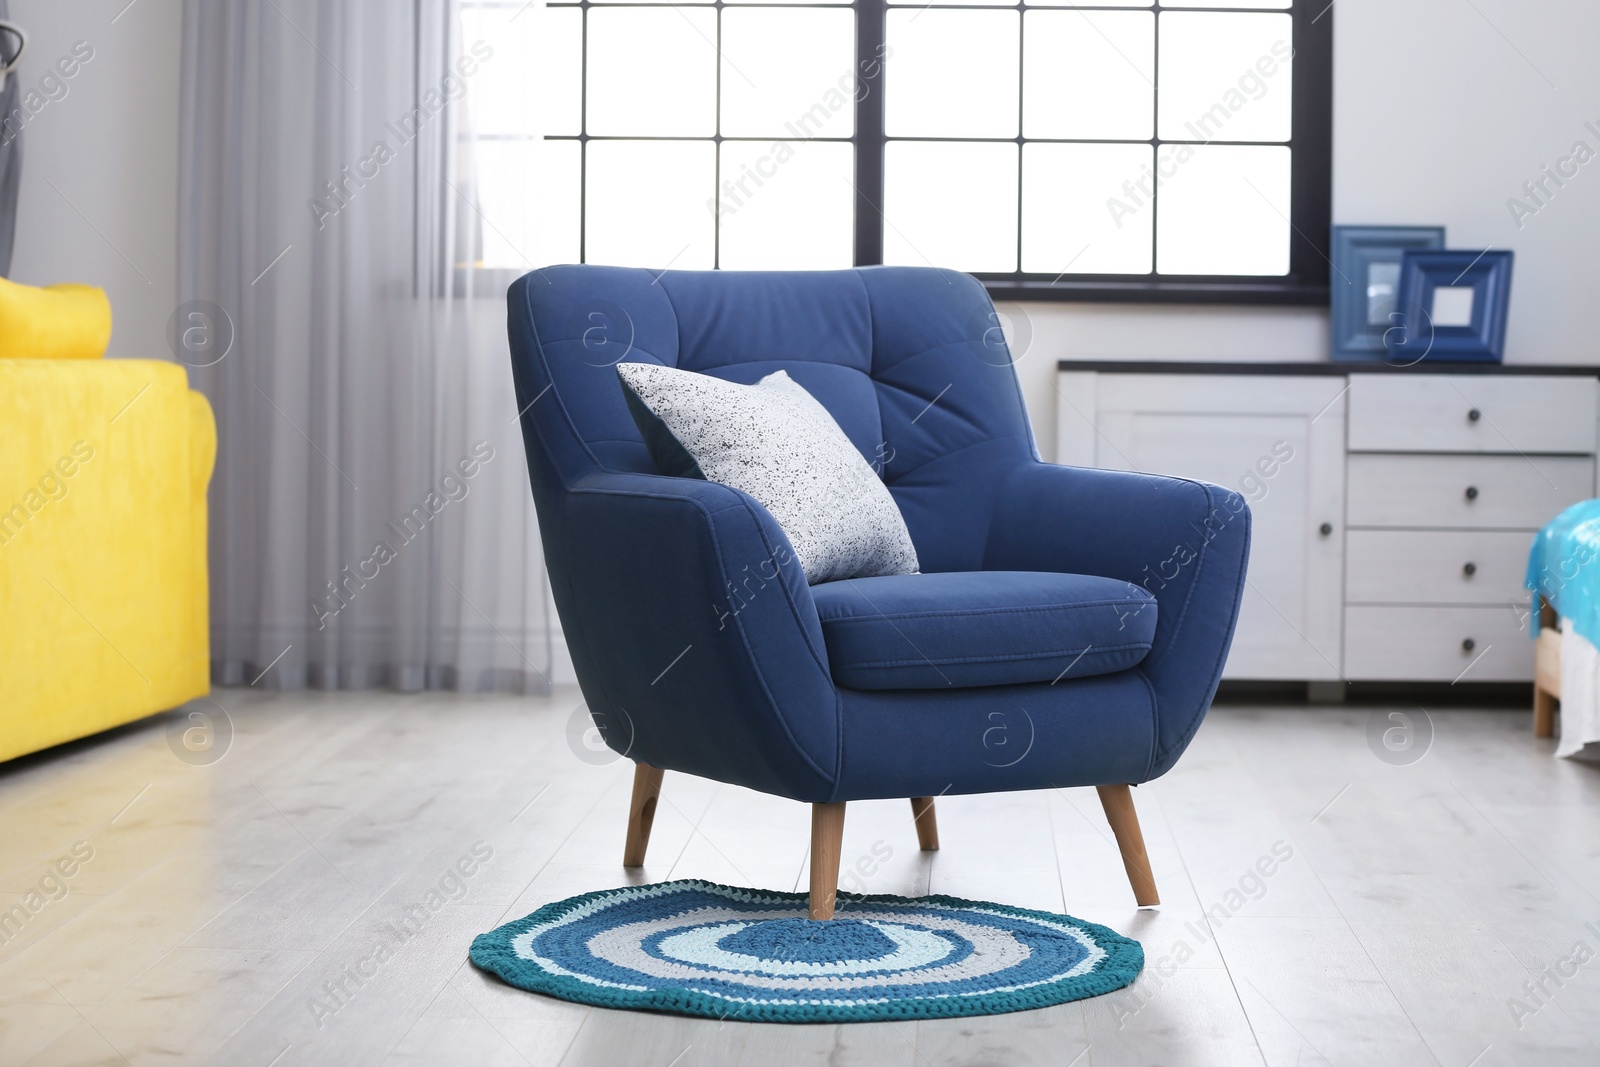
<point x="699" y="630"/>
<point x="1186" y="542"/>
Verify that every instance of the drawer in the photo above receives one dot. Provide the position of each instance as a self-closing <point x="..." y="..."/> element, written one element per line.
<point x="1434" y="413"/>
<point x="1435" y="566"/>
<point x="1468" y="492"/>
<point x="1425" y="644"/>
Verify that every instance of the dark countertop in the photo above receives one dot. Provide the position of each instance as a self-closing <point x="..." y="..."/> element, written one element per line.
<point x="1135" y="366"/>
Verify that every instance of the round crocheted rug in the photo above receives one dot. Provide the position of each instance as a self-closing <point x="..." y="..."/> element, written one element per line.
<point x="703" y="949"/>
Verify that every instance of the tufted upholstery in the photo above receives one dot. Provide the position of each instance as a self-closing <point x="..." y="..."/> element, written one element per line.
<point x="698" y="650"/>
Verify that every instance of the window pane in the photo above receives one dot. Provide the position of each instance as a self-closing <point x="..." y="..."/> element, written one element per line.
<point x="963" y="3"/>
<point x="1224" y="210"/>
<point x="1083" y="211"/>
<point x="788" y="72"/>
<point x="951" y="204"/>
<point x="531" y="79"/>
<point x="559" y="63"/>
<point x="786" y="205"/>
<point x="951" y="74"/>
<point x="652" y="72"/>
<point x="1225" y="76"/>
<point x="528" y="199"/>
<point x="1098" y="3"/>
<point x="1089" y="74"/>
<point x="1263" y="4"/>
<point x="647" y="203"/>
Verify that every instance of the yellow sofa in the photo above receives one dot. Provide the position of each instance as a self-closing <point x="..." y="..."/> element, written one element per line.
<point x="103" y="596"/>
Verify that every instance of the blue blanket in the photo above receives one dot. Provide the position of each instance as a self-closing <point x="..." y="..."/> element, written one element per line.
<point x="1564" y="569"/>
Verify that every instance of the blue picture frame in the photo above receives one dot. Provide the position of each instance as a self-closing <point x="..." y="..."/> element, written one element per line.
<point x="1453" y="307"/>
<point x="1364" y="285"/>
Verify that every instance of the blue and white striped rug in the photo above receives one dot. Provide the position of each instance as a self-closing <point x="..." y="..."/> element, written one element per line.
<point x="703" y="949"/>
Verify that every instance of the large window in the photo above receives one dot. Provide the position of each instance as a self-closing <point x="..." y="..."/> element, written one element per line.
<point x="1120" y="150"/>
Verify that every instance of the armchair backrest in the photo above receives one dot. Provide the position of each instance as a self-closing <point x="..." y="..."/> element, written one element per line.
<point x="910" y="361"/>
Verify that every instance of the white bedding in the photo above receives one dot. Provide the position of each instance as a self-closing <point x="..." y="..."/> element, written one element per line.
<point x="1580" y="692"/>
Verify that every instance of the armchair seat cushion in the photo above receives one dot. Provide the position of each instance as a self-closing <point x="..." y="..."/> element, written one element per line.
<point x="981" y="628"/>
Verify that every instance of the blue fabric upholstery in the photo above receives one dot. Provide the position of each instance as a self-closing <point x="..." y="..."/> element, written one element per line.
<point x="695" y="637"/>
<point x="980" y="628"/>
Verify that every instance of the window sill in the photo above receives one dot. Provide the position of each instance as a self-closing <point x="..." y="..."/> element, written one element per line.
<point x="1273" y="292"/>
<point x="492" y="282"/>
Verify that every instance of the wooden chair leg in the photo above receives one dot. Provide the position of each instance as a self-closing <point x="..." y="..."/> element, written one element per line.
<point x="927" y="823"/>
<point x="827" y="839"/>
<point x="1118" y="802"/>
<point x="641" y="813"/>
<point x="1544" y="712"/>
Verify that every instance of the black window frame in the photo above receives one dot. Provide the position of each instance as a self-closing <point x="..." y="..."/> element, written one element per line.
<point x="1310" y="181"/>
<point x="1310" y="144"/>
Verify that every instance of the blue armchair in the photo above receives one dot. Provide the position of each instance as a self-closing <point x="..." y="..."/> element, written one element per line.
<point x="1068" y="629"/>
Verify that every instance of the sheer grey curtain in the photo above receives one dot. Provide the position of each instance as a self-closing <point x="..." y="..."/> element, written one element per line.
<point x="371" y="523"/>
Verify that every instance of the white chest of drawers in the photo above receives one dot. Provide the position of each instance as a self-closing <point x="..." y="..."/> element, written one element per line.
<point x="1394" y="509"/>
<point x="1448" y="478"/>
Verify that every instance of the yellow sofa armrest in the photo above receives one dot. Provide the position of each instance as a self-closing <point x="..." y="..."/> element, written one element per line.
<point x="67" y="321"/>
<point x="103" y="611"/>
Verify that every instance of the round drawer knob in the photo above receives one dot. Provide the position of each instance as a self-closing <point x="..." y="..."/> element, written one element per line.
<point x="1470" y="569"/>
<point x="1472" y="492"/>
<point x="1468" y="645"/>
<point x="1474" y="415"/>
<point x="1325" y="529"/>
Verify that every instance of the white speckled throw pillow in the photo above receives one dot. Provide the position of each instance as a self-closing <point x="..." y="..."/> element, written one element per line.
<point x="775" y="442"/>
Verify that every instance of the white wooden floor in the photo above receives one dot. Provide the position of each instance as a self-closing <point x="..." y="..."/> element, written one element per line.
<point x="220" y="903"/>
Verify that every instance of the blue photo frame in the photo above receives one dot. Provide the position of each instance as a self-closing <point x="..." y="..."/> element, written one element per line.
<point x="1453" y="307"/>
<point x="1364" y="285"/>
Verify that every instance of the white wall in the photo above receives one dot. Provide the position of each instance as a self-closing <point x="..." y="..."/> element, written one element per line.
<point x="1441" y="113"/>
<point x="1442" y="109"/>
<point x="99" y="195"/>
